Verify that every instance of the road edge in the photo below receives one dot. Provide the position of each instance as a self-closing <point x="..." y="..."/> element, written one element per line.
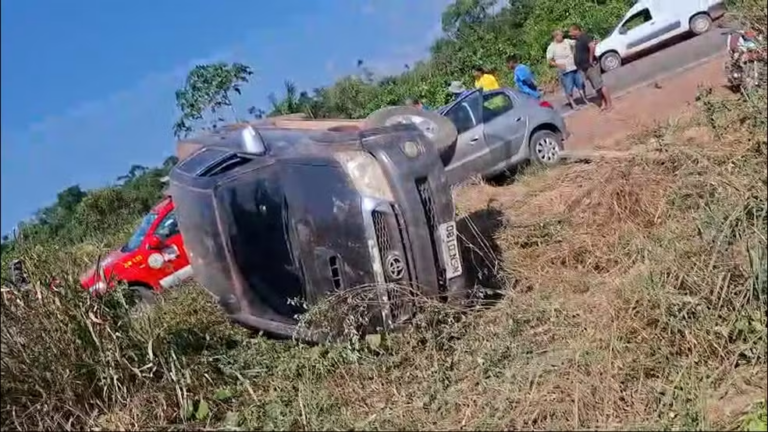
<point x="660" y="77"/>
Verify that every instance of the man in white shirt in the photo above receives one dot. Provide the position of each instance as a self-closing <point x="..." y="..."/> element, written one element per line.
<point x="560" y="55"/>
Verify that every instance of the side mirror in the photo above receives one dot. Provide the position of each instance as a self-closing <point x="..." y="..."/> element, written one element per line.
<point x="251" y="141"/>
<point x="154" y="242"/>
<point x="623" y="31"/>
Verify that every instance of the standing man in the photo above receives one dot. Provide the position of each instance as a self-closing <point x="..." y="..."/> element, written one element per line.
<point x="484" y="80"/>
<point x="560" y="56"/>
<point x="584" y="57"/>
<point x="524" y="80"/>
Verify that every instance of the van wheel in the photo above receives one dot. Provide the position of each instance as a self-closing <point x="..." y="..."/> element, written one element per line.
<point x="610" y="61"/>
<point x="700" y="23"/>
<point x="437" y="128"/>
<point x="545" y="148"/>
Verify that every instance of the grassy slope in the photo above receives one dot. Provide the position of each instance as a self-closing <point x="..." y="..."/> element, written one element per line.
<point x="636" y="290"/>
<point x="634" y="296"/>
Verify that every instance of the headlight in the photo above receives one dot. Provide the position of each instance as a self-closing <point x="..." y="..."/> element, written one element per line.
<point x="366" y="174"/>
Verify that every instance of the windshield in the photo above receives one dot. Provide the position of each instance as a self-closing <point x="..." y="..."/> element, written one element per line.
<point x="135" y="241"/>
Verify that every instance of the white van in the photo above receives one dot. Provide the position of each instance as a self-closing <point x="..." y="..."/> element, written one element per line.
<point x="650" y="22"/>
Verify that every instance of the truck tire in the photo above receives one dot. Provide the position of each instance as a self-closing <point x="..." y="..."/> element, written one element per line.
<point x="610" y="61"/>
<point x="437" y="128"/>
<point x="700" y="23"/>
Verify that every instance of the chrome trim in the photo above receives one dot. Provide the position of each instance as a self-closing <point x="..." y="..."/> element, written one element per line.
<point x="368" y="205"/>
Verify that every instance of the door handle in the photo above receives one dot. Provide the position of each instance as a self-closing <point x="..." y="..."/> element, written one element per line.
<point x="518" y="119"/>
<point x="474" y="139"/>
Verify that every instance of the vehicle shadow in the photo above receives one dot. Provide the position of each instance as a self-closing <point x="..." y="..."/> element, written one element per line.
<point x="592" y="99"/>
<point x="481" y="253"/>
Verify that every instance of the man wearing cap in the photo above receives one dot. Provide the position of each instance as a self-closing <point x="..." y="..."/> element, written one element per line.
<point x="457" y="89"/>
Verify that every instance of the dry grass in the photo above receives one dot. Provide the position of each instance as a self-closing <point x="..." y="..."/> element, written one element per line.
<point x="635" y="298"/>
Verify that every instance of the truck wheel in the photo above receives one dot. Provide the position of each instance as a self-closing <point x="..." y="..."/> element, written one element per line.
<point x="437" y="128"/>
<point x="610" y="61"/>
<point x="700" y="23"/>
<point x="545" y="147"/>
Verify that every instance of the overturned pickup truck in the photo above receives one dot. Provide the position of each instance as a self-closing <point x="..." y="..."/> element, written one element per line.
<point x="285" y="209"/>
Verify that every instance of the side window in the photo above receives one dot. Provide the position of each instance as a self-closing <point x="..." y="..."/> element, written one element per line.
<point x="462" y="118"/>
<point x="495" y="104"/>
<point x="167" y="227"/>
<point x="637" y="19"/>
<point x="466" y="114"/>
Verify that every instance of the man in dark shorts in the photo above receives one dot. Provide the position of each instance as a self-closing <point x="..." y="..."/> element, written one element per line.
<point x="584" y="57"/>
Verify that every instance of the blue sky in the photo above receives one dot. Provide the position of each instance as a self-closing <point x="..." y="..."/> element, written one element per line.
<point x="87" y="85"/>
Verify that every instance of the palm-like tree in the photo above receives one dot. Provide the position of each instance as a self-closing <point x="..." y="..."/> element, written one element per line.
<point x="135" y="171"/>
<point x="293" y="102"/>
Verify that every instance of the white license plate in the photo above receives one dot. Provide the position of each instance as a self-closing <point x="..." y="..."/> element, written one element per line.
<point x="450" y="246"/>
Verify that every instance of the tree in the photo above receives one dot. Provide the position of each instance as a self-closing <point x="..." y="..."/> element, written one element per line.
<point x="135" y="171"/>
<point x="208" y="89"/>
<point x="466" y="13"/>
<point x="170" y="162"/>
<point x="257" y="113"/>
<point x="69" y="198"/>
<point x="290" y="102"/>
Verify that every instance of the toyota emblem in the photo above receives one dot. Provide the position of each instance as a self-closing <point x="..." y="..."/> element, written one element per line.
<point x="395" y="266"/>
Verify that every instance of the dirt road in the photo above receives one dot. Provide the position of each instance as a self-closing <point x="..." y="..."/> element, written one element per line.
<point x="658" y="101"/>
<point x="691" y="50"/>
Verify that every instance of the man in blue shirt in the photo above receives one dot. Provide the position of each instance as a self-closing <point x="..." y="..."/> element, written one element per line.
<point x="524" y="80"/>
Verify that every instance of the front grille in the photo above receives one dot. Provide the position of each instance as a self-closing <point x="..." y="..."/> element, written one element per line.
<point x="390" y="246"/>
<point x="428" y="205"/>
<point x="382" y="233"/>
<point x="389" y="234"/>
<point x="333" y="264"/>
<point x="425" y="195"/>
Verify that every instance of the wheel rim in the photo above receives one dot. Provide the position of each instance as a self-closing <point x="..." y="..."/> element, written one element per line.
<point x="611" y="62"/>
<point x="428" y="127"/>
<point x="547" y="150"/>
<point x="700" y="25"/>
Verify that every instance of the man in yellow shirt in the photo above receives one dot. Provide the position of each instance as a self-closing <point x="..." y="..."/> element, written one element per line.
<point x="484" y="80"/>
